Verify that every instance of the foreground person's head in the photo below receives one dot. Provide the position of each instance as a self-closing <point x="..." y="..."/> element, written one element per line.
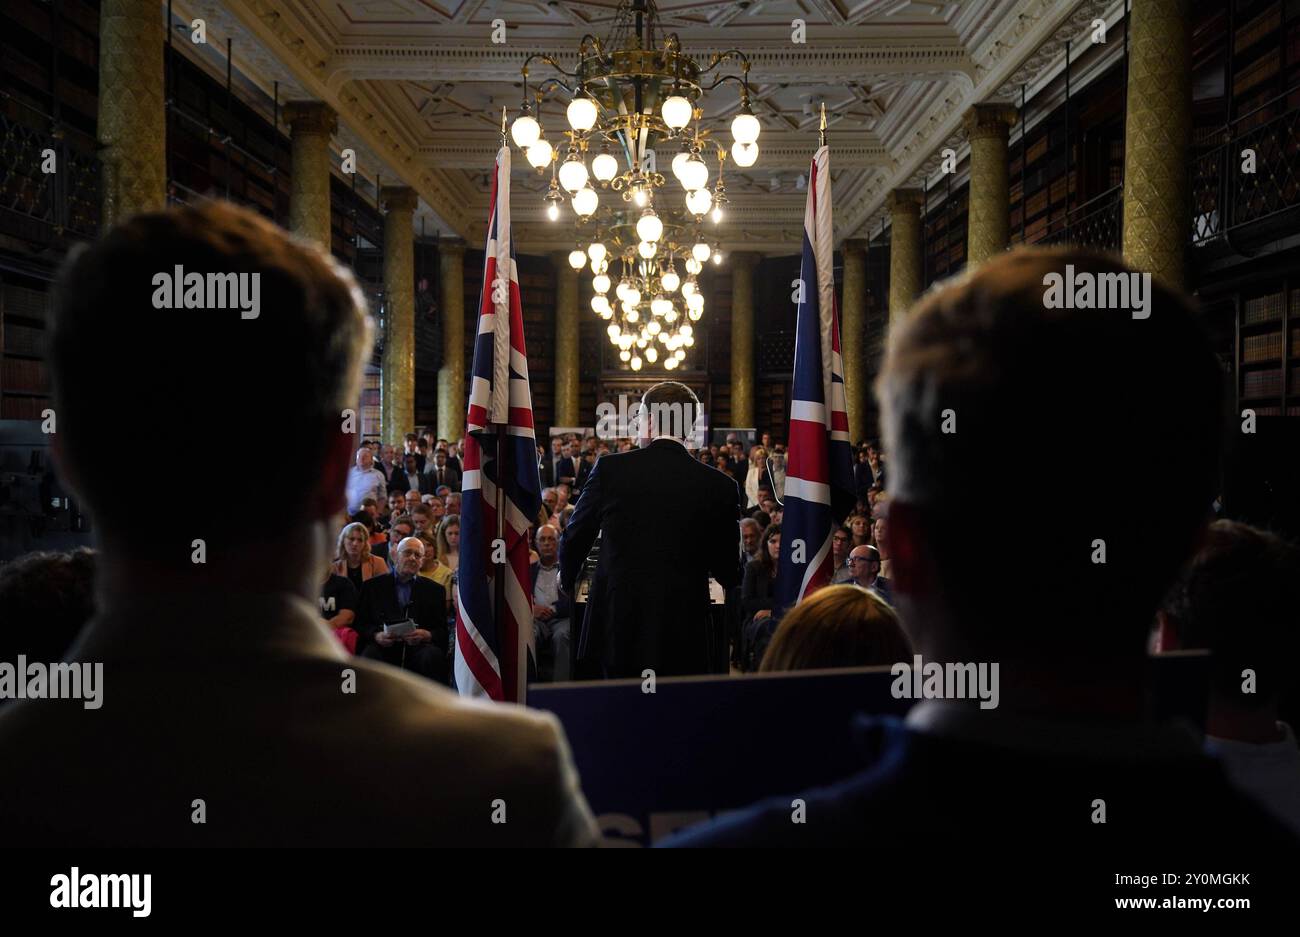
<point x="122" y="352"/>
<point x="987" y="378"/>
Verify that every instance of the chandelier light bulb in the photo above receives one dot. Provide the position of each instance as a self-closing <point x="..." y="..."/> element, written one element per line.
<point x="717" y="213"/>
<point x="671" y="315"/>
<point x="600" y="283"/>
<point x="671" y="280"/>
<point x="599" y="304"/>
<point x="688" y="289"/>
<point x="659" y="305"/>
<point x="696" y="301"/>
<point x="647" y="249"/>
<point x="613" y="331"/>
<point x="577" y="257"/>
<point x="648" y="226"/>
<point x="744" y="154"/>
<point x="599" y="266"/>
<point x="525" y="131"/>
<point x="604" y="167"/>
<point x="680" y="354"/>
<point x="643" y="340"/>
<point x="654" y="327"/>
<point x="688" y="341"/>
<point x="636" y="363"/>
<point x="639" y="197"/>
<point x="652" y="354"/>
<point x="585" y="201"/>
<point x="553" y="211"/>
<point x="695" y="174"/>
<point x="670" y="362"/>
<point x="582" y="114"/>
<point x="539" y="154"/>
<point x="693" y="266"/>
<point x="621" y="290"/>
<point x="632" y="314"/>
<point x="699" y="201"/>
<point x="596" y="251"/>
<point x="624" y="355"/>
<point x="633" y="296"/>
<point x="678" y="162"/>
<point x="695" y="313"/>
<point x="686" y="330"/>
<point x="573" y="173"/>
<point x="676" y="112"/>
<point x="717" y="256"/>
<point x="745" y="128"/>
<point x="701" y="252"/>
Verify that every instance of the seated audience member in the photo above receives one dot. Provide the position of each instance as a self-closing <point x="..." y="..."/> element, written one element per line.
<point x="777" y="471"/>
<point x="410" y="500"/>
<point x="880" y="538"/>
<point x="549" y="501"/>
<point x="45" y="600"/>
<point x="841" y="571"/>
<point x="860" y="529"/>
<point x="453" y="503"/>
<point x="422" y="518"/>
<point x="750" y="535"/>
<point x="756" y="598"/>
<point x="1060" y="739"/>
<point x="389" y="465"/>
<point x="562" y="496"/>
<point x="433" y="568"/>
<point x="399" y="530"/>
<point x="762" y="519"/>
<point x="552" y="609"/>
<point x="227" y="660"/>
<point x="1238" y="599"/>
<point x="411" y="447"/>
<point x="400" y="597"/>
<point x="352" y="557"/>
<point x="338" y="607"/>
<point x="864" y="564"/>
<point x="449" y="542"/>
<point x="837" y="626"/>
<point x="562" y="519"/>
<point x="757" y="478"/>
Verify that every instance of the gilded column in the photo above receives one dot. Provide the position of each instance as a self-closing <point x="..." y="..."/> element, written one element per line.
<point x="566" y="341"/>
<point x="742" y="338"/>
<point x="1156" y="136"/>
<point x="989" y="220"/>
<point x="904" y="250"/>
<point x="132" y="109"/>
<point x="854" y="334"/>
<point x="451" y="376"/>
<point x="397" y="389"/>
<point x="311" y="124"/>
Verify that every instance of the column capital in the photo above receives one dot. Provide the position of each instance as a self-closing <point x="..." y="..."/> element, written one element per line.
<point x="989" y="120"/>
<point x="854" y="246"/>
<point x="905" y="201"/>
<point x="310" y="117"/>
<point x="398" y="198"/>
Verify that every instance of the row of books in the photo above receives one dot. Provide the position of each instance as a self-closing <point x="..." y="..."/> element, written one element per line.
<point x="1264" y="347"/>
<point x="21" y="301"/>
<point x="1262" y="383"/>
<point x="22" y="408"/>
<point x="22" y="340"/>
<point x="20" y="374"/>
<point x="1263" y="308"/>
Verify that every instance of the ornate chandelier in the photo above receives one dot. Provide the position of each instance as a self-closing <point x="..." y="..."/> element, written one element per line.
<point x="628" y="94"/>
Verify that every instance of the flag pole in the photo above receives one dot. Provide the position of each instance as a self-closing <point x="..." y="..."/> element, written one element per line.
<point x="510" y="670"/>
<point x="823" y="125"/>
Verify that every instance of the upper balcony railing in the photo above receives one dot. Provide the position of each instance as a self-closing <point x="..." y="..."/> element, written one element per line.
<point x="1098" y="223"/>
<point x="49" y="177"/>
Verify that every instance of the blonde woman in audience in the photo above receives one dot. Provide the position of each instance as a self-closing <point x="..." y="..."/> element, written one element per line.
<point x="838" y="626"/>
<point x="352" y="556"/>
<point x="860" y="528"/>
<point x="756" y="476"/>
<point x="433" y="569"/>
<point x="449" y="542"/>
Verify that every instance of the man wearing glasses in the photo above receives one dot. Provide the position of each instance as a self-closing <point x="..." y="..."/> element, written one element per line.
<point x="864" y="565"/>
<point x="840" y="557"/>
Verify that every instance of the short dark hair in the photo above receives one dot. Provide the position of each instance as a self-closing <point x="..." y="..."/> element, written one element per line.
<point x="311" y="327"/>
<point x="1038" y="385"/>
<point x="1238" y="598"/>
<point x="45" y="600"/>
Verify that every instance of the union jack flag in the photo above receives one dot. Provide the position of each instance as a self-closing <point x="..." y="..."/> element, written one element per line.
<point x="819" y="465"/>
<point x="501" y="488"/>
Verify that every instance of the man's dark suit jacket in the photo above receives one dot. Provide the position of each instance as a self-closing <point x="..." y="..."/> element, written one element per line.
<point x="565" y="468"/>
<point x="378" y="604"/>
<point x="452" y="480"/>
<point x="920" y="788"/>
<point x="667" y="522"/>
<point x="403" y="482"/>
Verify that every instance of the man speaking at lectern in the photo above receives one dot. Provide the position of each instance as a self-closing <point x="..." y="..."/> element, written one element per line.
<point x="667" y="523"/>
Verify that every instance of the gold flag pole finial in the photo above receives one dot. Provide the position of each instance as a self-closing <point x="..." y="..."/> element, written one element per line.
<point x="503" y="125"/>
<point x="823" y="124"/>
